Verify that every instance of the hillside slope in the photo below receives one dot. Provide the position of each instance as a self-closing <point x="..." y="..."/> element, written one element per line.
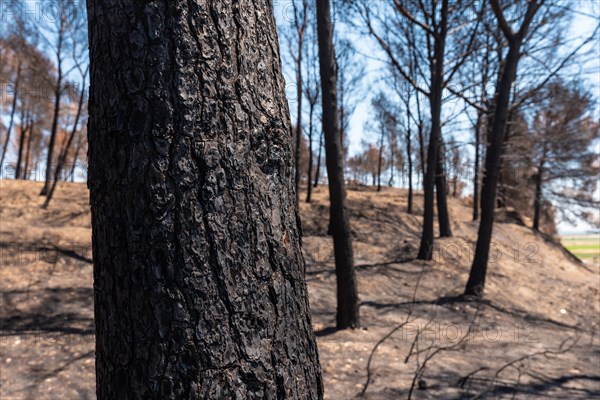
<point x="535" y="335"/>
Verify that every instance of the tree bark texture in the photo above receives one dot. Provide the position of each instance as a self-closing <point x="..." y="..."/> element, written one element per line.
<point x="199" y="283"/>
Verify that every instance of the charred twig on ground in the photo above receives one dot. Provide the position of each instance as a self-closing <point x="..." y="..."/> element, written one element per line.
<point x="390" y="333"/>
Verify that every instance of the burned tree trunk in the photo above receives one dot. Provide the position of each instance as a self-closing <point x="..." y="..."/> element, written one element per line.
<point x="12" y="115"/>
<point x="310" y="155"/>
<point x="409" y="207"/>
<point x="199" y="288"/>
<point x="62" y="158"/>
<point x="380" y="159"/>
<point x="347" y="294"/>
<point x="28" y="151"/>
<point x="537" y="201"/>
<point x="476" y="167"/>
<point x="24" y="126"/>
<point x="318" y="171"/>
<point x="435" y="100"/>
<point x="53" y="130"/>
<point x="441" y="191"/>
<point x="476" y="282"/>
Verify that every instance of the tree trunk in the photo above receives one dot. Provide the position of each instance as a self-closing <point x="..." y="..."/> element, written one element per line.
<point x="347" y="294"/>
<point x="476" y="282"/>
<point x="537" y="202"/>
<point x="28" y="150"/>
<point x="310" y="154"/>
<point x="298" y="147"/>
<point x="421" y="139"/>
<point x="12" y="115"/>
<point x="24" y="123"/>
<point x="441" y="190"/>
<point x="391" y="181"/>
<point x="53" y="131"/>
<point x="409" y="207"/>
<point x="318" y="171"/>
<point x="199" y="289"/>
<point x="422" y="154"/>
<point x="380" y="160"/>
<point x="75" y="158"/>
<point x="63" y="156"/>
<point x="508" y="73"/>
<point x="476" y="169"/>
<point x="435" y="100"/>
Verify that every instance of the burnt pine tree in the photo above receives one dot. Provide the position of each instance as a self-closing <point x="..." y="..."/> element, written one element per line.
<point x="347" y="294"/>
<point x="476" y="282"/>
<point x="441" y="191"/>
<point x="435" y="100"/>
<point x="199" y="287"/>
<point x="435" y="24"/>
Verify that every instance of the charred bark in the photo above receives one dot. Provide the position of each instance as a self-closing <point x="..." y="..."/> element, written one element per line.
<point x="199" y="289"/>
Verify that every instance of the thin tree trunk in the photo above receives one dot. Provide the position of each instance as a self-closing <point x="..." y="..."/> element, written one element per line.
<point x="380" y="160"/>
<point x="199" y="289"/>
<point x="347" y="315"/>
<point x="537" y="205"/>
<point x="28" y="150"/>
<point x="299" y="89"/>
<point x="476" y="282"/>
<point x="298" y="148"/>
<point x="420" y="121"/>
<point x="422" y="154"/>
<point x="391" y="181"/>
<point x="75" y="158"/>
<point x="476" y="169"/>
<point x="63" y="156"/>
<point x="12" y="115"/>
<point x="310" y="154"/>
<point x="435" y="99"/>
<point x="53" y="131"/>
<point x="441" y="192"/>
<point x="502" y="196"/>
<point x="537" y="201"/>
<point x="24" y="124"/>
<point x="409" y="207"/>
<point x="318" y="171"/>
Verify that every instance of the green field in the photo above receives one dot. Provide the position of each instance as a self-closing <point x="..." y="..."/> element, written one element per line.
<point x="586" y="247"/>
